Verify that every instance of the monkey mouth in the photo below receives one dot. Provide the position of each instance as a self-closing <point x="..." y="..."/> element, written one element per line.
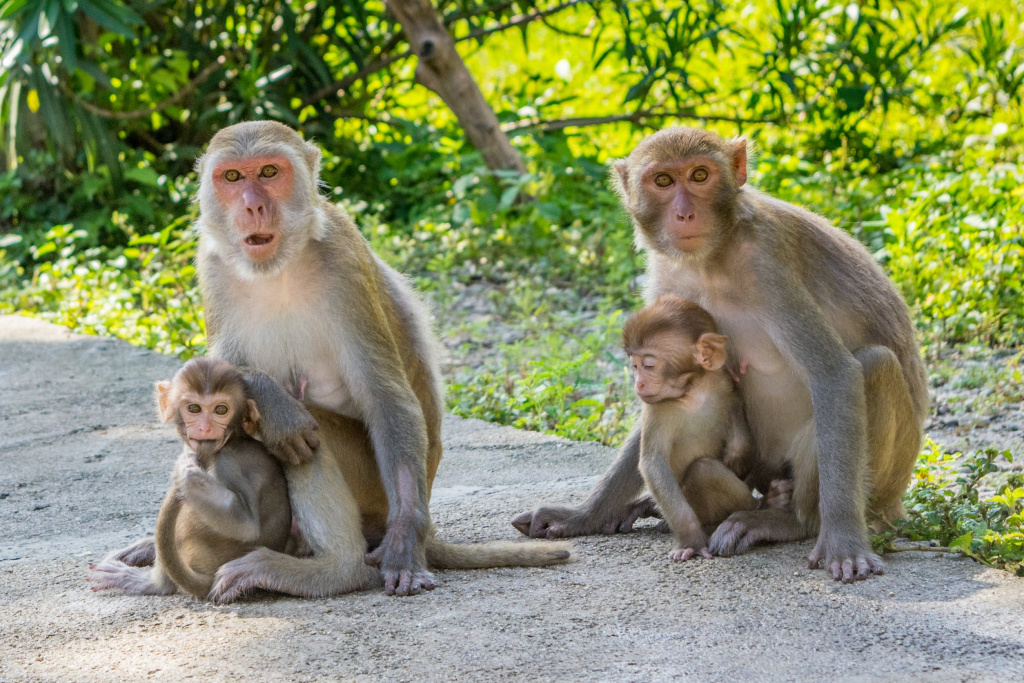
<point x="259" y="239"/>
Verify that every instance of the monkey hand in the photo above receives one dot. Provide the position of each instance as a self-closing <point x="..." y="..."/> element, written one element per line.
<point x="847" y="557"/>
<point x="554" y="522"/>
<point x="291" y="435"/>
<point x="682" y="554"/>
<point x="286" y="427"/>
<point x="402" y="579"/>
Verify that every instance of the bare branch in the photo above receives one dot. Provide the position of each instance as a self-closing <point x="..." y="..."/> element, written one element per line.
<point x="140" y="113"/>
<point x="386" y="60"/>
<point x="519" y="20"/>
<point x="636" y="118"/>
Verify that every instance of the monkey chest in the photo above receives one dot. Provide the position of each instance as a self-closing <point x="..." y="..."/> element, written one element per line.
<point x="300" y="352"/>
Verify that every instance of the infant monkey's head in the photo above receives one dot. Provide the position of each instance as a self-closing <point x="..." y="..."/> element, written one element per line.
<point x="672" y="343"/>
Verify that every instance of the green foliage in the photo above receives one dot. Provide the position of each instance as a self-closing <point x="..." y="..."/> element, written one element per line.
<point x="947" y="503"/>
<point x="144" y="293"/>
<point x="566" y="376"/>
<point x="900" y="120"/>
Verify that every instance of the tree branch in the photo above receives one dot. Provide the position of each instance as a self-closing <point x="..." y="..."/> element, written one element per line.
<point x="386" y="60"/>
<point x="519" y="20"/>
<point x="635" y="118"/>
<point x="140" y="113"/>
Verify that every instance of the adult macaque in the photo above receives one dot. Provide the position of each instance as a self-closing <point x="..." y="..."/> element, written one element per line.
<point x="834" y="386"/>
<point x="694" y="441"/>
<point x="228" y="496"/>
<point x="294" y="295"/>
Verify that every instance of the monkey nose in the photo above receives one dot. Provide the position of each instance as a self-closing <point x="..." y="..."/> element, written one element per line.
<point x="254" y="204"/>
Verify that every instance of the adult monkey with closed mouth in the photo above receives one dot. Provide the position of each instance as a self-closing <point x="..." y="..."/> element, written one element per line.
<point x="295" y="297"/>
<point x="833" y="384"/>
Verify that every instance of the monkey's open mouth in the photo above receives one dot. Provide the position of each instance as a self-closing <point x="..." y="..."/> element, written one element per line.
<point x="257" y="240"/>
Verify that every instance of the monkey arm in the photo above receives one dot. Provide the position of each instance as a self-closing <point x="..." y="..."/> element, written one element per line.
<point x="811" y="344"/>
<point x="227" y="512"/>
<point x="286" y="427"/>
<point x="676" y="510"/>
<point x="612" y="506"/>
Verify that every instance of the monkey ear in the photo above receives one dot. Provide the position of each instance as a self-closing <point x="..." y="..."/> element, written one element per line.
<point x="622" y="182"/>
<point x="739" y="160"/>
<point x="251" y="418"/>
<point x="710" y="351"/>
<point x="312" y="153"/>
<point x="164" y="409"/>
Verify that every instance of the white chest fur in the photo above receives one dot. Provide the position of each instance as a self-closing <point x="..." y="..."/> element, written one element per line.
<point x="289" y="327"/>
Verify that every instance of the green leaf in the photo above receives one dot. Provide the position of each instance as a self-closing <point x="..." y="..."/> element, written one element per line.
<point x="144" y="175"/>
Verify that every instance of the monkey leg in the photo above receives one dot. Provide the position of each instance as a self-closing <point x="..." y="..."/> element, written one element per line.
<point x="329" y="519"/>
<point x="715" y="492"/>
<point x="612" y="507"/>
<point x="894" y="436"/>
<point x="142" y="553"/>
<point x="109" y="574"/>
<point x="748" y="527"/>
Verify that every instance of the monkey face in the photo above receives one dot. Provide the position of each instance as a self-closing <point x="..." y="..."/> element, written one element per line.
<point x="681" y="197"/>
<point x="680" y="186"/>
<point x="654" y="380"/>
<point x="206" y="419"/>
<point x="254" y="192"/>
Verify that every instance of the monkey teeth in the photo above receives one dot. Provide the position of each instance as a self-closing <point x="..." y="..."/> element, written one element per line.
<point x="259" y="240"/>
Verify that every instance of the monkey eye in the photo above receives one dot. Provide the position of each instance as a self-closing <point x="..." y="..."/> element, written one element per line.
<point x="268" y="171"/>
<point x="231" y="175"/>
<point x="699" y="175"/>
<point x="663" y="180"/>
<point x="221" y="409"/>
<point x="193" y="408"/>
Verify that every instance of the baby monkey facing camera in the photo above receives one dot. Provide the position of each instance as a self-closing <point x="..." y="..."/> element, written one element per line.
<point x="695" y="447"/>
<point x="228" y="495"/>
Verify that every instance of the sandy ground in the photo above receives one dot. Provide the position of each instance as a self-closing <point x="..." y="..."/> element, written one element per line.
<point x="85" y="464"/>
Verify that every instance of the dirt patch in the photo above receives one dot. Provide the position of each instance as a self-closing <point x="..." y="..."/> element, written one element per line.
<point x="85" y="464"/>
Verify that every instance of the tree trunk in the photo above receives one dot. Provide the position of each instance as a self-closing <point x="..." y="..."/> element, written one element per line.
<point x="441" y="69"/>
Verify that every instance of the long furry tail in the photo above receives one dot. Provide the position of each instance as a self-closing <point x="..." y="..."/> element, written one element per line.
<point x="441" y="555"/>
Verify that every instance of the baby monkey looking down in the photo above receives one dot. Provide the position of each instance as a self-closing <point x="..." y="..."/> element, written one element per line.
<point x="695" y="447"/>
<point x="228" y="495"/>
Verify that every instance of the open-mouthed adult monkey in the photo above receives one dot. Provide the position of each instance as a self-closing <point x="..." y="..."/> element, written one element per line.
<point x="294" y="295"/>
<point x="228" y="495"/>
<point x="833" y="383"/>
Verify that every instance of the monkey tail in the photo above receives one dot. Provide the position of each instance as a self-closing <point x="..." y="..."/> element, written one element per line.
<point x="441" y="555"/>
<point x="167" y="555"/>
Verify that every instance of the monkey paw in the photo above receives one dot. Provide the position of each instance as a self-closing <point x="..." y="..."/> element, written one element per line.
<point x="684" y="554"/>
<point x="736" y="534"/>
<point x="142" y="553"/>
<point x="106" y="574"/>
<point x="557" y="522"/>
<point x="401" y="582"/>
<point x="853" y="563"/>
<point x="235" y="579"/>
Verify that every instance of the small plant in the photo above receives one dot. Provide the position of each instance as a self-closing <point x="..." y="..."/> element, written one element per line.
<point x="947" y="503"/>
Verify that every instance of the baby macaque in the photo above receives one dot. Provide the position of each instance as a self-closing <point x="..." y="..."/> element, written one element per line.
<point x="228" y="494"/>
<point x="695" y="446"/>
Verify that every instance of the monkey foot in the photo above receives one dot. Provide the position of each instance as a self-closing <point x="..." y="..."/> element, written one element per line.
<point x="684" y="554"/>
<point x="850" y="566"/>
<point x="557" y="522"/>
<point x="139" y="554"/>
<point x="406" y="582"/>
<point x="235" y="579"/>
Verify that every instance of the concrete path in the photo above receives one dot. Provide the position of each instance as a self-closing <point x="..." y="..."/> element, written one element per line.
<point x="84" y="464"/>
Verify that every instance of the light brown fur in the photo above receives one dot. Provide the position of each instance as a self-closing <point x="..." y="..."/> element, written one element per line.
<point x="324" y="308"/>
<point x="225" y="500"/>
<point x="825" y="338"/>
